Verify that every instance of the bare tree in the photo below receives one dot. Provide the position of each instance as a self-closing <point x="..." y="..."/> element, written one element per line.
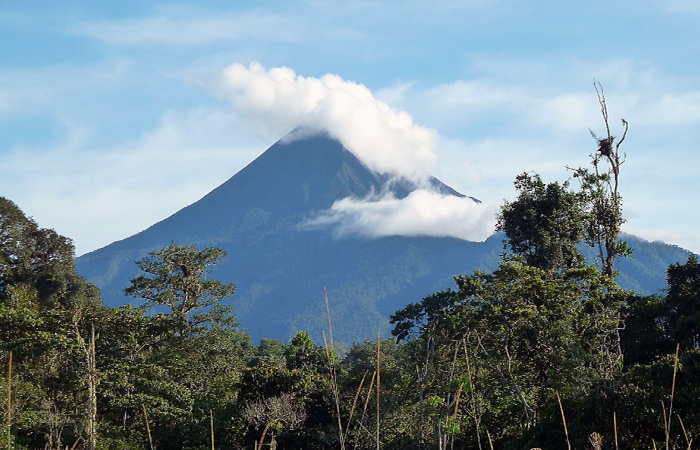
<point x="276" y="413"/>
<point x="601" y="187"/>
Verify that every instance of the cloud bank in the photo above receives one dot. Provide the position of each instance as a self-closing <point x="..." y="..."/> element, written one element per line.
<point x="385" y="139"/>
<point x="278" y="100"/>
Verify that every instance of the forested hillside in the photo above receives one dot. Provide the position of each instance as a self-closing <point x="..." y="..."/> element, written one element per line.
<point x="501" y="361"/>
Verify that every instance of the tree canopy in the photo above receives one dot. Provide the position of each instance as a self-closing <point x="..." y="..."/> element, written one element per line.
<point x="176" y="277"/>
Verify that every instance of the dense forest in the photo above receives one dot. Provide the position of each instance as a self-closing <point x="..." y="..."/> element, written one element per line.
<point x="546" y="351"/>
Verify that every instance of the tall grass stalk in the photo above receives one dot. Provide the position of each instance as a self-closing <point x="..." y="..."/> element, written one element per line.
<point x="454" y="416"/>
<point x="378" y="380"/>
<point x="354" y="403"/>
<point x="663" y="408"/>
<point x="689" y="442"/>
<point x="92" y="389"/>
<point x="615" y="428"/>
<point x="673" y="389"/>
<point x="489" y="436"/>
<point x="148" y="426"/>
<point x="471" y="389"/>
<point x="211" y="419"/>
<point x="364" y="410"/>
<point x="331" y="367"/>
<point x="563" y="419"/>
<point x="334" y="388"/>
<point x="448" y="401"/>
<point x="262" y="438"/>
<point x="9" y="401"/>
<point x="459" y="393"/>
<point x="91" y="360"/>
<point x="328" y="312"/>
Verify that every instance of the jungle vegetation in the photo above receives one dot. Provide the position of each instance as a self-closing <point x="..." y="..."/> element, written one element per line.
<point x="545" y="351"/>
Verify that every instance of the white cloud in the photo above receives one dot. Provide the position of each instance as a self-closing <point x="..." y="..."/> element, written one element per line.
<point x="58" y="88"/>
<point x="572" y="111"/>
<point x="477" y="95"/>
<point x="184" y="26"/>
<point x="395" y="94"/>
<point x="670" y="109"/>
<point x="278" y="100"/>
<point x="386" y="139"/>
<point x="556" y="97"/>
<point x="421" y="213"/>
<point x="100" y="195"/>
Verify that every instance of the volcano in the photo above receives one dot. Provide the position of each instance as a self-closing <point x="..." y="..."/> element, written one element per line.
<point x="281" y="267"/>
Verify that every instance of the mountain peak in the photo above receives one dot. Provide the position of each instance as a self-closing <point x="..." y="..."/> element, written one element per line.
<point x="281" y="269"/>
<point x="299" y="176"/>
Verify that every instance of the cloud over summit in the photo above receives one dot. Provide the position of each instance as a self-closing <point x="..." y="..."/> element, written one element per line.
<point x="386" y="139"/>
<point x="278" y="100"/>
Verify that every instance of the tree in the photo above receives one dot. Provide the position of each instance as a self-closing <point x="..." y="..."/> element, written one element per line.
<point x="176" y="277"/>
<point x="683" y="302"/>
<point x="532" y="332"/>
<point x="544" y="321"/>
<point x="544" y="224"/>
<point x="601" y="189"/>
<point x="40" y="296"/>
<point x="36" y="262"/>
<point x="645" y="338"/>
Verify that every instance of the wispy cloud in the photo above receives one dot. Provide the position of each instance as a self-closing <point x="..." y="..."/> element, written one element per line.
<point x="97" y="195"/>
<point x="56" y="88"/>
<point x="421" y="213"/>
<point x="683" y="6"/>
<point x="191" y="27"/>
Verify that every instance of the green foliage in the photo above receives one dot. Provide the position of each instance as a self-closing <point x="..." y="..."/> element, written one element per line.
<point x="683" y="302"/>
<point x="603" y="215"/>
<point x="302" y="354"/>
<point x="645" y="338"/>
<point x="493" y="355"/>
<point x="544" y="224"/>
<point x="530" y="333"/>
<point x="176" y="277"/>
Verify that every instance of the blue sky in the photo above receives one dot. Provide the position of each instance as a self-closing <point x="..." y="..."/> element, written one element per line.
<point x="114" y="115"/>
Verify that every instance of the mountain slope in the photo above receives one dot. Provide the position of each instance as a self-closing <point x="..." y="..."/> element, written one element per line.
<point x="280" y="269"/>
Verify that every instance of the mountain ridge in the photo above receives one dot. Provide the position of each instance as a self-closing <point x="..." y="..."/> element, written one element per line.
<point x="281" y="269"/>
